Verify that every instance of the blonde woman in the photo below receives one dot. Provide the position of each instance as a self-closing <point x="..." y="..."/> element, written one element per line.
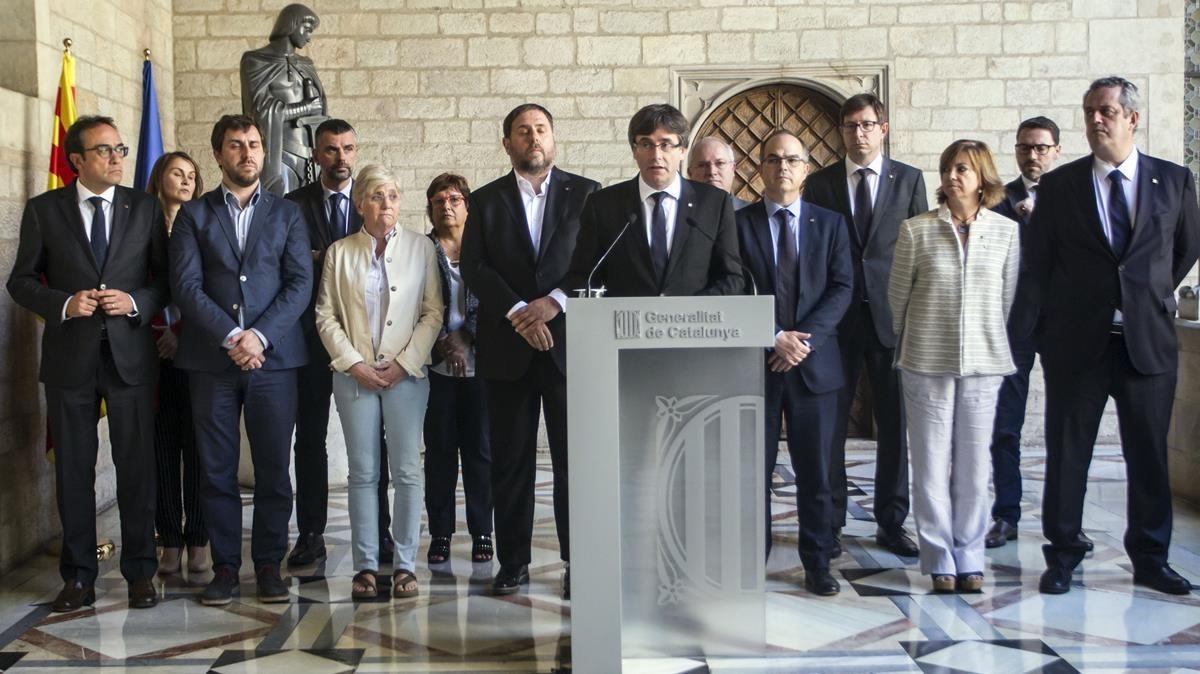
<point x="378" y="314"/>
<point x="952" y="284"/>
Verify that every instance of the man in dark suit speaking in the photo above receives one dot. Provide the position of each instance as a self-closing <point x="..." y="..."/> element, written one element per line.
<point x="241" y="273"/>
<point x="1113" y="234"/>
<point x="677" y="236"/>
<point x="101" y="249"/>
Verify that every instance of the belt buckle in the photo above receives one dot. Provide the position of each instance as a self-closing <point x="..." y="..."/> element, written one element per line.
<point x="1117" y="329"/>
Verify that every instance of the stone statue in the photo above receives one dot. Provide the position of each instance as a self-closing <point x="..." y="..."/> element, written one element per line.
<point x="282" y="92"/>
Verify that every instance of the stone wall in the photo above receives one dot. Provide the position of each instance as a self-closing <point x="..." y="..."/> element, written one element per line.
<point x="108" y="43"/>
<point x="1183" y="441"/>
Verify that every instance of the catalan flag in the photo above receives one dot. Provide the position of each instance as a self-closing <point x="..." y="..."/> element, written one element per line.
<point x="61" y="172"/>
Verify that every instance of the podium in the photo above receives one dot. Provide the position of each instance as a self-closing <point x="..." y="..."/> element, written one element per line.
<point x="666" y="470"/>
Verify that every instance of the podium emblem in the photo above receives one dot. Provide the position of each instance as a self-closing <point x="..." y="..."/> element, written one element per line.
<point x="627" y="324"/>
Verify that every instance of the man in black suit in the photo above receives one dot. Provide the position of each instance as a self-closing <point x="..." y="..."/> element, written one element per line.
<point x="874" y="193"/>
<point x="677" y="237"/>
<point x="800" y="253"/>
<point x="329" y="216"/>
<point x="1113" y="234"/>
<point x="241" y="274"/>
<point x="711" y="161"/>
<point x="515" y="251"/>
<point x="1037" y="149"/>
<point x="101" y="250"/>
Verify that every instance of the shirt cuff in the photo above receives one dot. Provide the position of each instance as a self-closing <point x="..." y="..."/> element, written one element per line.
<point x="560" y="297"/>
<point x="515" y="308"/>
<point x="134" y="313"/>
<point x="65" y="317"/>
<point x="225" y="343"/>
<point x="262" y="338"/>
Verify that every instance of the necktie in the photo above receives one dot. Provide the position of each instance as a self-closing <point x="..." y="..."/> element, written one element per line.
<point x="99" y="235"/>
<point x="862" y="204"/>
<point x="1118" y="214"/>
<point x="658" y="237"/>
<point x="785" y="271"/>
<point x="337" y="223"/>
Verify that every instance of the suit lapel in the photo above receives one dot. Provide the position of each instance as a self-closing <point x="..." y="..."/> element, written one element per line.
<point x="841" y="196"/>
<point x="120" y="222"/>
<point x="316" y="206"/>
<point x="353" y="217"/>
<point x="216" y="201"/>
<point x="512" y="200"/>
<point x="1146" y="199"/>
<point x="761" y="230"/>
<point x="556" y="201"/>
<point x="1015" y="193"/>
<point x="71" y="216"/>
<point x="257" y="221"/>
<point x="887" y="180"/>
<point x="640" y="227"/>
<point x="1086" y="186"/>
<point x="683" y="229"/>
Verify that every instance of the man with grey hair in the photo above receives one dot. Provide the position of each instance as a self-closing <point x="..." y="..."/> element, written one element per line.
<point x="712" y="161"/>
<point x="1112" y="236"/>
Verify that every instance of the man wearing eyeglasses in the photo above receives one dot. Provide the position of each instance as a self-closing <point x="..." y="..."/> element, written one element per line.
<point x="712" y="162"/>
<point x="874" y="194"/>
<point x="799" y="253"/>
<point x="1037" y="149"/>
<point x="677" y="236"/>
<point x="102" y="251"/>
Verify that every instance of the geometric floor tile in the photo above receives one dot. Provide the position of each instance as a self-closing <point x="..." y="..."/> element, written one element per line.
<point x="992" y="657"/>
<point x="287" y="662"/>
<point x="9" y="659"/>
<point x="1102" y="613"/>
<point x="801" y="622"/>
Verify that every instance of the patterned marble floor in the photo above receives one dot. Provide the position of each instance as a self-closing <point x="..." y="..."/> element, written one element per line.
<point x="884" y="620"/>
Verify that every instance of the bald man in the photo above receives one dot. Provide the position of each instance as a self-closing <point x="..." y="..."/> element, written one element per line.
<point x="712" y="162"/>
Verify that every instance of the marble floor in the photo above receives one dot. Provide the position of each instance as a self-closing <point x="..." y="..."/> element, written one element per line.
<point x="884" y="620"/>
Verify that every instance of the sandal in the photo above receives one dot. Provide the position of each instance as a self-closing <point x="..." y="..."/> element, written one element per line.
<point x="481" y="549"/>
<point x="364" y="585"/>
<point x="399" y="580"/>
<point x="439" y="550"/>
<point x="943" y="582"/>
<point x="970" y="582"/>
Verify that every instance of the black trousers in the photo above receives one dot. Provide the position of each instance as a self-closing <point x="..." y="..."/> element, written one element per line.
<point x="1006" y="433"/>
<point x="178" y="517"/>
<point x="74" y="412"/>
<point x="513" y="413"/>
<point x="862" y="351"/>
<point x="810" y="424"/>
<point x="457" y="422"/>
<point x="1075" y="402"/>
<point x="312" y="457"/>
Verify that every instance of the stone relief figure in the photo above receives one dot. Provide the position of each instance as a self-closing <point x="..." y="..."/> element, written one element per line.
<point x="282" y="92"/>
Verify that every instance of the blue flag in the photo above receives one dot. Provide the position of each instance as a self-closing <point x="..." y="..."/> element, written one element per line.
<point x="150" y="145"/>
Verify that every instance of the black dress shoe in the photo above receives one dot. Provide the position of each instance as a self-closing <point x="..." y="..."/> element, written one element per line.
<point x="142" y="594"/>
<point x="1164" y="579"/>
<point x="567" y="583"/>
<point x="1000" y="533"/>
<point x="897" y="541"/>
<point x="835" y="548"/>
<point x="1055" y="580"/>
<point x="74" y="596"/>
<point x="510" y="579"/>
<point x="820" y="582"/>
<point x="387" y="548"/>
<point x="1086" y="542"/>
<point x="271" y="588"/>
<point x="220" y="589"/>
<point x="309" y="548"/>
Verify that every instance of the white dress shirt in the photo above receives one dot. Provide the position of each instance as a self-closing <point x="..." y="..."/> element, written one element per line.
<point x="852" y="179"/>
<point x="345" y="204"/>
<point x="1102" y="183"/>
<point x="376" y="294"/>
<point x="1030" y="190"/>
<point x="241" y="226"/>
<point x="535" y="212"/>
<point x="670" y="207"/>
<point x="86" y="211"/>
<point x="457" y="316"/>
<point x="794" y="225"/>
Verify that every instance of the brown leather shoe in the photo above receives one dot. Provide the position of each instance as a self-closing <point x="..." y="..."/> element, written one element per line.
<point x="74" y="596"/>
<point x="142" y="594"/>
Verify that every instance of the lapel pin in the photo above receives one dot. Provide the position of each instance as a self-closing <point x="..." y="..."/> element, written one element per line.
<point x="689" y="204"/>
<point x="1154" y="180"/>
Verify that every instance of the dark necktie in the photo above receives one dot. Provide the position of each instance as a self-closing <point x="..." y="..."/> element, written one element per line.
<point x="337" y="223"/>
<point x="99" y="235"/>
<point x="658" y="237"/>
<point x="1118" y="214"/>
<point x="862" y="204"/>
<point x="785" y="272"/>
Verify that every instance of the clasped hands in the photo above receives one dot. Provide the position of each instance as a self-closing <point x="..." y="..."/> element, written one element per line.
<point x="245" y="349"/>
<point x="453" y="347"/>
<point x="530" y="322"/>
<point x="111" y="301"/>
<point x="790" y="350"/>
<point x="381" y="376"/>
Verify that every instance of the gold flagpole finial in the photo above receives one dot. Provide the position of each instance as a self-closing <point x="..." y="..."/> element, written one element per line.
<point x="146" y="53"/>
<point x="67" y="45"/>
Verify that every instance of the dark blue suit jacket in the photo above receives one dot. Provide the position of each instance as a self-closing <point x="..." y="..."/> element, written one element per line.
<point x="824" y="289"/>
<point x="1081" y="281"/>
<point x="271" y="281"/>
<point x="1024" y="314"/>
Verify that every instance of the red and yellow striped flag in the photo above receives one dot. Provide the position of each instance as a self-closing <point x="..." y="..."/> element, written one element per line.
<point x="61" y="172"/>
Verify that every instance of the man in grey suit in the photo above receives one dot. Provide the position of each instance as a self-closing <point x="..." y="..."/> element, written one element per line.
<point x="712" y="161"/>
<point x="874" y="194"/>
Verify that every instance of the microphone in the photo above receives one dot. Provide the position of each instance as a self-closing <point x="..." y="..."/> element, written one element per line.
<point x="745" y="272"/>
<point x="587" y="291"/>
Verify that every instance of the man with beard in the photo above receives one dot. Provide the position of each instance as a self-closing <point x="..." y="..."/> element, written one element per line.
<point x="515" y="253"/>
<point x="241" y="273"/>
<point x="712" y="162"/>
<point x="330" y="216"/>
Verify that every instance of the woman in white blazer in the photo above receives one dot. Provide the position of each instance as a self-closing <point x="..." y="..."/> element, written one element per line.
<point x="952" y="283"/>
<point x="378" y="314"/>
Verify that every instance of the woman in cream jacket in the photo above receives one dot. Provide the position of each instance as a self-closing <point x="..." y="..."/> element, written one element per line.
<point x="378" y="314"/>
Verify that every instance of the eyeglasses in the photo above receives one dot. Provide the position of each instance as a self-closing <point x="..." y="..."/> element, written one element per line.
<point x="454" y="201"/>
<point x="381" y="198"/>
<point x="1040" y="149"/>
<point x="867" y="126"/>
<point x="792" y="160"/>
<point x="719" y="164"/>
<point x="104" y="151"/>
<point x="650" y="146"/>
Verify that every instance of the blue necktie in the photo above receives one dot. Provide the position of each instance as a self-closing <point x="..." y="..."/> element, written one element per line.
<point x="337" y="223"/>
<point x="1118" y="214"/>
<point x="786" y="266"/>
<point x="658" y="237"/>
<point x="99" y="233"/>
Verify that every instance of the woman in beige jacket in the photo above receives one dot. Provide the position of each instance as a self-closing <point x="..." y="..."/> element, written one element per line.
<point x="378" y="314"/>
<point x="952" y="283"/>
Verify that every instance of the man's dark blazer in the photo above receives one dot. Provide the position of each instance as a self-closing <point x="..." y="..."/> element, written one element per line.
<point x="311" y="199"/>
<point x="501" y="267"/>
<point x="704" y="258"/>
<point x="54" y="243"/>
<point x="823" y="290"/>
<point x="1023" y="316"/>
<point x="271" y="281"/>
<point x="900" y="196"/>
<point x="1081" y="281"/>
